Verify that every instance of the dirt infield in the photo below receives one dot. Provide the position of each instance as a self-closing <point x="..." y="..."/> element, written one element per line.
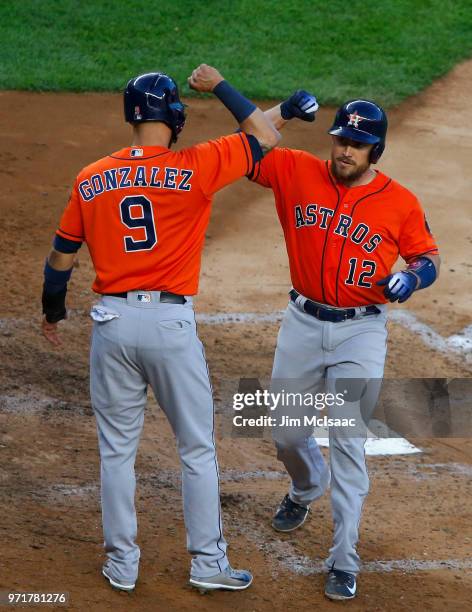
<point x="415" y="538"/>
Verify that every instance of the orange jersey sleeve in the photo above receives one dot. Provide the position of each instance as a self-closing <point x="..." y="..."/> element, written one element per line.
<point x="274" y="169"/>
<point x="222" y="161"/>
<point x="415" y="237"/>
<point x="71" y="225"/>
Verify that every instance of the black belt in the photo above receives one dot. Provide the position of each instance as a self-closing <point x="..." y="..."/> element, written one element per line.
<point x="334" y="315"/>
<point x="166" y="296"/>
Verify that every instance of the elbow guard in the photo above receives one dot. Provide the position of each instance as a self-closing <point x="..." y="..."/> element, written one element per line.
<point x="425" y="270"/>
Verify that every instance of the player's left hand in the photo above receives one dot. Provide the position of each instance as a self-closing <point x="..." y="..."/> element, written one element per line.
<point x="399" y="286"/>
<point x="301" y="104"/>
<point x="50" y="332"/>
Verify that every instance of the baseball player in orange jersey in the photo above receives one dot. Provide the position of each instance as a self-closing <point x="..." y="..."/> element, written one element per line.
<point x="143" y="212"/>
<point x="345" y="224"/>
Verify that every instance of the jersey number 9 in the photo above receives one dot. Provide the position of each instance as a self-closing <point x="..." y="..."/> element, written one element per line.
<point x="136" y="213"/>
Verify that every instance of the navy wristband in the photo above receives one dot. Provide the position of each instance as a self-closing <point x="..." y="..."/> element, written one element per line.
<point x="55" y="281"/>
<point x="54" y="305"/>
<point x="425" y="270"/>
<point x="234" y="101"/>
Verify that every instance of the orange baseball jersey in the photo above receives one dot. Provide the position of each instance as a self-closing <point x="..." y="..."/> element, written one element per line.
<point x="143" y="211"/>
<point x="341" y="241"/>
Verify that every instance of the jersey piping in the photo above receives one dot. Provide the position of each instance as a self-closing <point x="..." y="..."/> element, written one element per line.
<point x="344" y="243"/>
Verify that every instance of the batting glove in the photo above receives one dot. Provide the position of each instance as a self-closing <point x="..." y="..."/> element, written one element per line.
<point x="399" y="286"/>
<point x="301" y="104"/>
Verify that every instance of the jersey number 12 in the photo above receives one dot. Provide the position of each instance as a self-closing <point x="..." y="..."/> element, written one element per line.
<point x="368" y="270"/>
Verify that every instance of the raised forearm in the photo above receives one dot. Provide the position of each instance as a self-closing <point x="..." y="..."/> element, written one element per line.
<point x="274" y="116"/>
<point x="250" y="118"/>
<point x="262" y="128"/>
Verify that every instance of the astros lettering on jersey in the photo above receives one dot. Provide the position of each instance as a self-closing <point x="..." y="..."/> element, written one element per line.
<point x="143" y="212"/>
<point x="341" y="240"/>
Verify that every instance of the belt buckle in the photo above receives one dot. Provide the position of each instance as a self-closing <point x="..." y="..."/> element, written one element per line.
<point x="345" y="316"/>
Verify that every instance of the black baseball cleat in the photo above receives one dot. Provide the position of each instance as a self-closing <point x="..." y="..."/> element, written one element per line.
<point x="340" y="585"/>
<point x="289" y="515"/>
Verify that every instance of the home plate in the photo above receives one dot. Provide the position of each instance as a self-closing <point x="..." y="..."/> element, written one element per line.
<point x="385" y="445"/>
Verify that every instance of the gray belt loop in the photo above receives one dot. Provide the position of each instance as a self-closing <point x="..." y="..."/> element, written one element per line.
<point x="360" y="310"/>
<point x="300" y="302"/>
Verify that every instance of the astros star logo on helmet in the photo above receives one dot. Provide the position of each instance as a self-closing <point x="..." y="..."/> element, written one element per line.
<point x="354" y="119"/>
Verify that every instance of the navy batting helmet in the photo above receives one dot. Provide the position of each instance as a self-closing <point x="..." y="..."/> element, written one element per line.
<point x="154" y="97"/>
<point x="364" y="121"/>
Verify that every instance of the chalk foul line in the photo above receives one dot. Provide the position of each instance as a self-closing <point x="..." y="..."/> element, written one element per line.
<point x="285" y="556"/>
<point x="460" y="343"/>
<point x="304" y="566"/>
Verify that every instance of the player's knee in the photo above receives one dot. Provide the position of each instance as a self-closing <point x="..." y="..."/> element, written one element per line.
<point x="198" y="456"/>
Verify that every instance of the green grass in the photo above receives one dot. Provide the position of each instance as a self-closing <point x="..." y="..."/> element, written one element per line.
<point x="386" y="49"/>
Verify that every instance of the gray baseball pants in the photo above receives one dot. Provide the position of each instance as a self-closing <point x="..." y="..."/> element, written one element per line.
<point x="314" y="356"/>
<point x="138" y="343"/>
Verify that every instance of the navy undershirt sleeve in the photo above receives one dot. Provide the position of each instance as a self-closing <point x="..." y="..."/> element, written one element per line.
<point x="63" y="245"/>
<point x="256" y="149"/>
